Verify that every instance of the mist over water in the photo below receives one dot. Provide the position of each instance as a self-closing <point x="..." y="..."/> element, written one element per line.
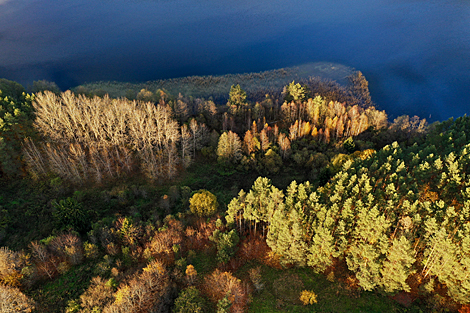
<point x="415" y="54"/>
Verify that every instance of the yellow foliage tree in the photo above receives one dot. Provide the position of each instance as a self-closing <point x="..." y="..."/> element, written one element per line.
<point x="203" y="203"/>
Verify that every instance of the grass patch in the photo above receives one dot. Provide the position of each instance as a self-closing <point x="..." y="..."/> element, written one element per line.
<point x="282" y="285"/>
<point x="204" y="262"/>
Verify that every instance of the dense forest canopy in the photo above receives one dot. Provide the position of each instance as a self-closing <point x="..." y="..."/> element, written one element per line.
<point x="135" y="195"/>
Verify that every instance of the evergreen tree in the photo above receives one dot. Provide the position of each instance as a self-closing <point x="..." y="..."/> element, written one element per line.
<point x="398" y="265"/>
<point x="237" y="96"/>
<point x="294" y="92"/>
<point x="226" y="244"/>
<point x="366" y="253"/>
<point x="189" y="301"/>
<point x="261" y="201"/>
<point x="321" y="249"/>
<point x="286" y="238"/>
<point x="16" y="115"/>
<point x="360" y="89"/>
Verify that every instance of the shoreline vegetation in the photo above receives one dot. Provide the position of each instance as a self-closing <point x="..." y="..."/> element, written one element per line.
<point x="256" y="85"/>
<point x="260" y="192"/>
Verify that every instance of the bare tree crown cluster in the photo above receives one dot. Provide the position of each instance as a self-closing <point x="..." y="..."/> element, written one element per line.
<point x="93" y="138"/>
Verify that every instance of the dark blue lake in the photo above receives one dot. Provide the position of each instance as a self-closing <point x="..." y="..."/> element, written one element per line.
<point x="415" y="54"/>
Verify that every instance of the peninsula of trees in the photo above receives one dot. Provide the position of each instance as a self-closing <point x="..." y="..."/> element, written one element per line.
<point x="300" y="200"/>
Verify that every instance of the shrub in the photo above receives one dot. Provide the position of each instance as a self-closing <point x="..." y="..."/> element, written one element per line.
<point x="224" y="304"/>
<point x="91" y="250"/>
<point x="308" y="297"/>
<point x="69" y="212"/>
<point x="255" y="277"/>
<point x="349" y="145"/>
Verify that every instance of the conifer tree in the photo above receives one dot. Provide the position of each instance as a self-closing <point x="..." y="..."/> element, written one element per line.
<point x="365" y="255"/>
<point x="321" y="249"/>
<point x="226" y="243"/>
<point x="398" y="265"/>
<point x="261" y="201"/>
<point x="235" y="210"/>
<point x="237" y="96"/>
<point x="15" y="125"/>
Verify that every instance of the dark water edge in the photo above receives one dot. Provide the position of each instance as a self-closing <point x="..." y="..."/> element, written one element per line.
<point x="412" y="103"/>
<point x="415" y="54"/>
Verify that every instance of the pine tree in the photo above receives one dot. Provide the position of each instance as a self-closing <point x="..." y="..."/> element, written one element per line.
<point x="226" y="244"/>
<point x="237" y="96"/>
<point x="235" y="210"/>
<point x="321" y="250"/>
<point x="398" y="265"/>
<point x="261" y="201"/>
<point x="365" y="254"/>
<point x="15" y="125"/>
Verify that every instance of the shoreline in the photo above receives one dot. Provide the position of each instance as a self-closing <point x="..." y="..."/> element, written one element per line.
<point x="218" y="86"/>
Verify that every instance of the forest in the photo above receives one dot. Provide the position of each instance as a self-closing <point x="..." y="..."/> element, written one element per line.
<point x="304" y="198"/>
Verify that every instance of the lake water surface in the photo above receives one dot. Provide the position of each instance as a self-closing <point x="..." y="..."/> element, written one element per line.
<point x="415" y="54"/>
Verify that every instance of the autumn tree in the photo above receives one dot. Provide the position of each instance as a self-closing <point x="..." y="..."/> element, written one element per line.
<point x="186" y="146"/>
<point x="284" y="144"/>
<point x="250" y="143"/>
<point x="219" y="284"/>
<point x="191" y="274"/>
<point x="13" y="300"/>
<point x="229" y="148"/>
<point x="97" y="295"/>
<point x="203" y="203"/>
<point x="146" y="292"/>
<point x="181" y="109"/>
<point x="10" y="267"/>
